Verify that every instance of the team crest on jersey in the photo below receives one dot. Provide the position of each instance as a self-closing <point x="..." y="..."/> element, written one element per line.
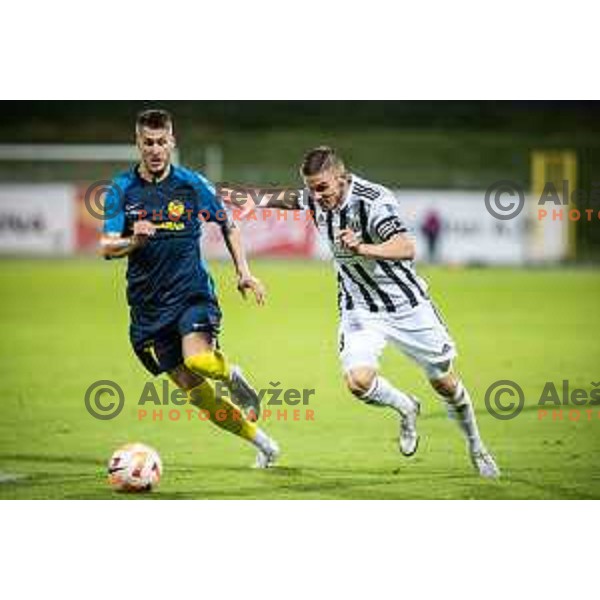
<point x="176" y="209"/>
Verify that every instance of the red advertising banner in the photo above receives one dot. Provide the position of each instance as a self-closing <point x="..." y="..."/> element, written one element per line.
<point x="87" y="227"/>
<point x="267" y="232"/>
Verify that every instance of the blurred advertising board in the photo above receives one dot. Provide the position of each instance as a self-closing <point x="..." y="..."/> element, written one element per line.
<point x="37" y="219"/>
<point x="267" y="233"/>
<point x="53" y="219"/>
<point x="468" y="233"/>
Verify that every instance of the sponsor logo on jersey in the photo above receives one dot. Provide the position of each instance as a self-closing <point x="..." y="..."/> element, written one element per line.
<point x="175" y="209"/>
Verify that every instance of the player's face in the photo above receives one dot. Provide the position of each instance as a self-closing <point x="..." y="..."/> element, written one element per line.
<point x="327" y="188"/>
<point x="155" y="146"/>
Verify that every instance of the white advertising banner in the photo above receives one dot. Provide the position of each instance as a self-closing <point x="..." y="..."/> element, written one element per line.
<point x="451" y="226"/>
<point x="37" y="219"/>
<point x="468" y="233"/>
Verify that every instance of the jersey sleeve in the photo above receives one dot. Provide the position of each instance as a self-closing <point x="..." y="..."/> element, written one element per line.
<point x="386" y="219"/>
<point x="114" y="221"/>
<point x="211" y="204"/>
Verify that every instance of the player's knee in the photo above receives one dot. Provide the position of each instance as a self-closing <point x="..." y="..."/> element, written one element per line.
<point x="183" y="378"/>
<point x="360" y="380"/>
<point x="210" y="364"/>
<point x="445" y="386"/>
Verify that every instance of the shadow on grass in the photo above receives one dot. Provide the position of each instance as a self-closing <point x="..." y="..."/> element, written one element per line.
<point x="410" y="480"/>
<point x="53" y="458"/>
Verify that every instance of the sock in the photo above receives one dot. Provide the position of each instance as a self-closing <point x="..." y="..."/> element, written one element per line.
<point x="222" y="412"/>
<point x="211" y="364"/>
<point x="460" y="407"/>
<point x="262" y="441"/>
<point x="383" y="393"/>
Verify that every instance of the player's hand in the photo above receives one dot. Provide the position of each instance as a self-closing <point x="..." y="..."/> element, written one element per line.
<point x="239" y="199"/>
<point x="248" y="282"/>
<point x="349" y="240"/>
<point x="144" y="229"/>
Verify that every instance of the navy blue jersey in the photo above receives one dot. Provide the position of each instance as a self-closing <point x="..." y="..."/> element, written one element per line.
<point x="167" y="274"/>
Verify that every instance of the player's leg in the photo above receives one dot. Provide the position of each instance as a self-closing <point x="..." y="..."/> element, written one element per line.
<point x="198" y="328"/>
<point x="223" y="413"/>
<point x="360" y="348"/>
<point x="458" y="401"/>
<point x="460" y="408"/>
<point x="424" y="337"/>
<point x="200" y="357"/>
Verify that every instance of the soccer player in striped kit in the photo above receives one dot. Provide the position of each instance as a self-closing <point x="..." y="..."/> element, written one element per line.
<point x="381" y="298"/>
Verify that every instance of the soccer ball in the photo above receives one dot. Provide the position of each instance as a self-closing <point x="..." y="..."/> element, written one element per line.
<point x="134" y="468"/>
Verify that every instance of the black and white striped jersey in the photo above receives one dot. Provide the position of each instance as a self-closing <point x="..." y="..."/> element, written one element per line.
<point x="374" y="214"/>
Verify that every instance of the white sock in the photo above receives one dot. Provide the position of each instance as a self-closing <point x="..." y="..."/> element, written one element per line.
<point x="461" y="408"/>
<point x="383" y="393"/>
<point x="262" y="441"/>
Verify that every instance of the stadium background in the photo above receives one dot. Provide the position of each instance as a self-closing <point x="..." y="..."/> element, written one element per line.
<point x="531" y="318"/>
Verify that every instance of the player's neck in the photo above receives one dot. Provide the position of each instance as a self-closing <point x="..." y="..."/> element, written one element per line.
<point x="344" y="193"/>
<point x="152" y="177"/>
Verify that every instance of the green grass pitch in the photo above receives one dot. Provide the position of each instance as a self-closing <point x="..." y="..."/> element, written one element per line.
<point x="64" y="325"/>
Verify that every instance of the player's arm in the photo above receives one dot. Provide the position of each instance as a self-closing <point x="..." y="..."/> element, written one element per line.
<point x="386" y="237"/>
<point x="398" y="247"/>
<point x="212" y="201"/>
<point x="246" y="281"/>
<point x="115" y="245"/>
<point x="117" y="239"/>
<point x="247" y="198"/>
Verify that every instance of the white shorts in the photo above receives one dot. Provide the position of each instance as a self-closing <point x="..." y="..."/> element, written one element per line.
<point x="420" y="335"/>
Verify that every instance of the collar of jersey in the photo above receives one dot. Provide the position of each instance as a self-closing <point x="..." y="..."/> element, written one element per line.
<point x="136" y="171"/>
<point x="348" y="193"/>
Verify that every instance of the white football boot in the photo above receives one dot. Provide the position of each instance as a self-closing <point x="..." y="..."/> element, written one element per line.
<point x="408" y="440"/>
<point x="267" y="457"/>
<point x="484" y="462"/>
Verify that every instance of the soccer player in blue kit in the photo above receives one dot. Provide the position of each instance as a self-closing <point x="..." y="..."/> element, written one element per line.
<point x="154" y="217"/>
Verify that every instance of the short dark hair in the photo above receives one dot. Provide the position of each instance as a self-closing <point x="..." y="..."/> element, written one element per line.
<point x="154" y="118"/>
<point x="320" y="159"/>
